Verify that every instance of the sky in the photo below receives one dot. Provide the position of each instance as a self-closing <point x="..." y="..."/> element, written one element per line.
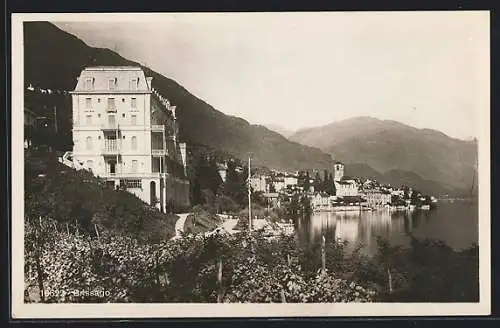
<point x="298" y="70"/>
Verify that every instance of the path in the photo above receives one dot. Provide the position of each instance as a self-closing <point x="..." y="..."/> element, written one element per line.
<point x="229" y="224"/>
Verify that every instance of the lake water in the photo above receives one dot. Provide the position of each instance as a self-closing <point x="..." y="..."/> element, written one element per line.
<point x="455" y="224"/>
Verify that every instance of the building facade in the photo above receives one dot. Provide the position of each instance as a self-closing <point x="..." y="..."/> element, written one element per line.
<point x="127" y="133"/>
<point x="258" y="183"/>
<point x="346" y="188"/>
<point x="377" y="198"/>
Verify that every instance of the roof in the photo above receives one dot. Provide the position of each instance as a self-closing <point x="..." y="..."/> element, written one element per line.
<point x="337" y="162"/>
<point x="124" y="77"/>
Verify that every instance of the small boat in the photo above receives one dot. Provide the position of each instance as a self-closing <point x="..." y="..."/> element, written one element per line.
<point x="425" y="207"/>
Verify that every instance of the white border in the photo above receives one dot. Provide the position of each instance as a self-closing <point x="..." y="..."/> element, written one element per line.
<point x="47" y="311"/>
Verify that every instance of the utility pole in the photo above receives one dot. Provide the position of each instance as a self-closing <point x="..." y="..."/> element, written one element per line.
<point x="249" y="199"/>
<point x="55" y="118"/>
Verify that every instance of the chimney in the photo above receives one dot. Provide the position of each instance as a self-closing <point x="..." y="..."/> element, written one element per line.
<point x="148" y="81"/>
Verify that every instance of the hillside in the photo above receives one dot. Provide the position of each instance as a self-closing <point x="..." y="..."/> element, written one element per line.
<point x="279" y="129"/>
<point x="389" y="146"/>
<point x="54" y="59"/>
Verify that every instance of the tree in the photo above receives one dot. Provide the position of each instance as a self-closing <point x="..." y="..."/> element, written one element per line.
<point x="318" y="185"/>
<point x="326" y="183"/>
<point x="307" y="183"/>
<point x="235" y="185"/>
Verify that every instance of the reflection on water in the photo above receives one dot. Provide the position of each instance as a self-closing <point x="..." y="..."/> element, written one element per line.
<point x="455" y="224"/>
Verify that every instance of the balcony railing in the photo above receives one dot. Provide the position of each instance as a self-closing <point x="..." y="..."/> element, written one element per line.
<point x="157" y="127"/>
<point x="119" y="175"/>
<point x="111" y="147"/>
<point x="158" y="152"/>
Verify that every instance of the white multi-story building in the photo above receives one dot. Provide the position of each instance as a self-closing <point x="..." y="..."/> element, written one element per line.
<point x="127" y="133"/>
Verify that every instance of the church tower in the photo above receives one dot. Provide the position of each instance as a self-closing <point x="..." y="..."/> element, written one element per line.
<point x="338" y="171"/>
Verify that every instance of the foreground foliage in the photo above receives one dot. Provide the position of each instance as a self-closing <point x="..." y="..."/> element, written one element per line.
<point x="217" y="268"/>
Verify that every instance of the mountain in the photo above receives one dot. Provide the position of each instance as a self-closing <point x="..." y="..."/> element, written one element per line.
<point x="279" y="129"/>
<point x="389" y="146"/>
<point x="55" y="58"/>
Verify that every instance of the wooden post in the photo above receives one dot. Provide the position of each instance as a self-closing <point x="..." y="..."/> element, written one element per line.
<point x="389" y="277"/>
<point x="219" y="281"/>
<point x="96" y="231"/>
<point x="289" y="260"/>
<point x="67" y="228"/>
<point x="323" y="255"/>
<point x="283" y="297"/>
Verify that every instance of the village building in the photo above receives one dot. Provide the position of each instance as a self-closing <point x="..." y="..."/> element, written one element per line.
<point x="290" y="180"/>
<point x="127" y="133"/>
<point x="345" y="188"/>
<point x="258" y="183"/>
<point x="377" y="198"/>
<point x="222" y="170"/>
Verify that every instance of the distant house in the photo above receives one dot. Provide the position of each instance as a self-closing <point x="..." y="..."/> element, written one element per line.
<point x="258" y="183"/>
<point x="278" y="184"/>
<point x="290" y="180"/>
<point x="272" y="199"/>
<point x="346" y="188"/>
<point x="378" y="198"/>
<point x="222" y="169"/>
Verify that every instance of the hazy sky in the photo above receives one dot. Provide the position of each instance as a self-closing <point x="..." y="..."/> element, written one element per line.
<point x="425" y="69"/>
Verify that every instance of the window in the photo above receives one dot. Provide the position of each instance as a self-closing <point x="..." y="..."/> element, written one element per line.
<point x="88" y="103"/>
<point x="134" y="166"/>
<point x="112" y="84"/>
<point x="133" y="84"/>
<point x="90" y="164"/>
<point x="133" y="103"/>
<point x="111" y="105"/>
<point x="134" y="119"/>
<point x="134" y="143"/>
<point x="111" y="120"/>
<point x="88" y="142"/>
<point x="89" y="83"/>
<point x="88" y="119"/>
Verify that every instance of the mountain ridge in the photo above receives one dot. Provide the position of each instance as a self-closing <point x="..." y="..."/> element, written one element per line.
<point x="387" y="145"/>
<point x="54" y="58"/>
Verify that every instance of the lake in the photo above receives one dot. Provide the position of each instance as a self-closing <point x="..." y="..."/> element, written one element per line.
<point x="456" y="224"/>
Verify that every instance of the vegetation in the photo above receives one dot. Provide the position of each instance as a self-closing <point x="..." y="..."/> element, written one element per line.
<point x="201" y="221"/>
<point x="82" y="203"/>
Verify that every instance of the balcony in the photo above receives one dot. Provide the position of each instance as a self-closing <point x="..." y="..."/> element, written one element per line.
<point x="158" y="152"/>
<point x="157" y="128"/>
<point x="111" y="147"/>
<point x="125" y="175"/>
<point x="110" y="126"/>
